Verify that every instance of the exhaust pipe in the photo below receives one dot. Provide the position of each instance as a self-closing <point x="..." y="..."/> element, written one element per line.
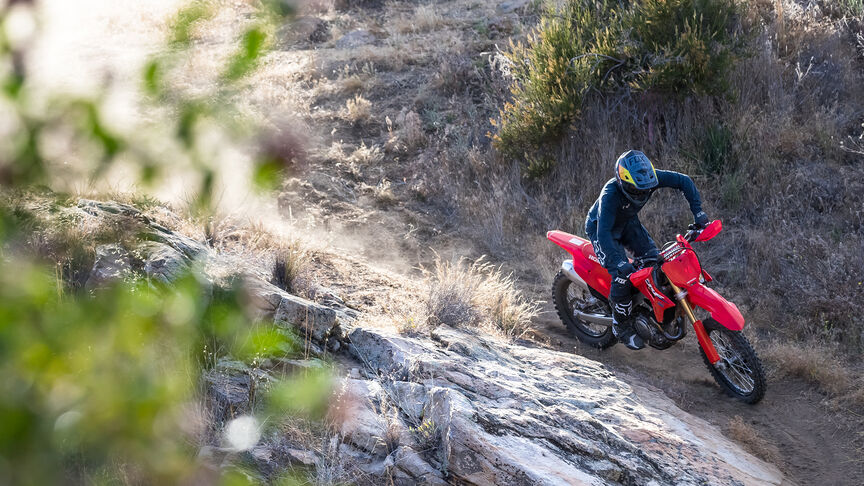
<point x="567" y="268"/>
<point x="599" y="319"/>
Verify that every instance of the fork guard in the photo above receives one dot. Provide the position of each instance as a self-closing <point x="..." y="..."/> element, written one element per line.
<point x="723" y="311"/>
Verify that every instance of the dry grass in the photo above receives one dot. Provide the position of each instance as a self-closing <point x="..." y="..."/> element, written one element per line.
<point x="816" y="364"/>
<point x="63" y="236"/>
<point x="291" y="267"/>
<point x="321" y="438"/>
<point x="384" y="195"/>
<point x="424" y="18"/>
<point x="357" y="110"/>
<point x="354" y="80"/>
<point x="477" y="295"/>
<point x="407" y="134"/>
<point x="404" y="315"/>
<point x="746" y="435"/>
<point x="276" y="253"/>
<point x="366" y="155"/>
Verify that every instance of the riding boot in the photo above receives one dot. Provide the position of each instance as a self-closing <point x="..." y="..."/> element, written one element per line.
<point x="622" y="326"/>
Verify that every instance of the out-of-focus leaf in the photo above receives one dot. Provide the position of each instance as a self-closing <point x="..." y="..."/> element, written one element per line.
<point x="187" y="19"/>
<point x="12" y="85"/>
<point x="282" y="9"/>
<point x="268" y="174"/>
<point x="252" y="46"/>
<point x="148" y="173"/>
<point x="238" y="477"/>
<point x="267" y="341"/>
<point x="110" y="142"/>
<point x="190" y="112"/>
<point x="153" y="77"/>
<point x="307" y="393"/>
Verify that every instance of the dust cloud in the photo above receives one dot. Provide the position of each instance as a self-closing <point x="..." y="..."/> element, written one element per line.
<point x="98" y="49"/>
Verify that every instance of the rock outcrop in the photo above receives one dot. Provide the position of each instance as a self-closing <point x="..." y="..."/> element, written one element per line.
<point x="453" y="406"/>
<point x="501" y="413"/>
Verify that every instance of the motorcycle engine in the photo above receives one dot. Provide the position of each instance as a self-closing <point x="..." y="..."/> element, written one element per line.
<point x="648" y="331"/>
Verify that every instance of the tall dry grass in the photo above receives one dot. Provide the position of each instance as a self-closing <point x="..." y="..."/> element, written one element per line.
<point x="818" y="364"/>
<point x="477" y="295"/>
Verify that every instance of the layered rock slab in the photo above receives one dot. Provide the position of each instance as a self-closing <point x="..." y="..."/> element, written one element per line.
<point x="512" y="414"/>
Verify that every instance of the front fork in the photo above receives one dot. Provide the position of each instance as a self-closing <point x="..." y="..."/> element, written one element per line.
<point x="701" y="334"/>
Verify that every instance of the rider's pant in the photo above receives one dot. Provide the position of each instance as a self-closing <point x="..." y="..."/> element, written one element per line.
<point x="632" y="236"/>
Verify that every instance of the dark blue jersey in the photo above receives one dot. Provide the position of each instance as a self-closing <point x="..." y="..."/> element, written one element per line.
<point x="613" y="210"/>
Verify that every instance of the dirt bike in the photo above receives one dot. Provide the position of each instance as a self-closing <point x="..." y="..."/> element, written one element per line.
<point x="669" y="288"/>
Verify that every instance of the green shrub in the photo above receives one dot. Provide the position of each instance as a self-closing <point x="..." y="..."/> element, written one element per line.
<point x="843" y="8"/>
<point x="93" y="385"/>
<point x="105" y="387"/>
<point x="854" y="8"/>
<point x="716" y="149"/>
<point x="683" y="46"/>
<point x="669" y="46"/>
<point x="550" y="78"/>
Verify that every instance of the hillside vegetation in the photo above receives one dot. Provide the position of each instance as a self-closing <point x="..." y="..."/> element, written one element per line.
<point x="387" y="128"/>
<point x="765" y="114"/>
<point x="583" y="48"/>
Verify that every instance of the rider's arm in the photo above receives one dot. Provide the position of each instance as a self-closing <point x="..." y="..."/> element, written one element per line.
<point x="676" y="180"/>
<point x="610" y="255"/>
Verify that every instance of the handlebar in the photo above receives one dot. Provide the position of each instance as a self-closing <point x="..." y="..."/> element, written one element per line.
<point x="693" y="232"/>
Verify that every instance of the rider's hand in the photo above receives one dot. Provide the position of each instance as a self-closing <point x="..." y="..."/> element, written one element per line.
<point x="625" y="268"/>
<point x="701" y="220"/>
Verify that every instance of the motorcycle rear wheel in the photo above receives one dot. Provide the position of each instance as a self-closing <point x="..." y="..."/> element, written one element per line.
<point x="739" y="371"/>
<point x="568" y="297"/>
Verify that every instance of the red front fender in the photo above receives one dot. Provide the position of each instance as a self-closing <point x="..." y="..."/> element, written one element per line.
<point x="723" y="311"/>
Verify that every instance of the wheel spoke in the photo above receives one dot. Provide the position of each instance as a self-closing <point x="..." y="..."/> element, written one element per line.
<point x="735" y="369"/>
<point x="578" y="300"/>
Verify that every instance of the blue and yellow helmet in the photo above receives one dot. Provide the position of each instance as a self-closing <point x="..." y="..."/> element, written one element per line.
<point x="636" y="176"/>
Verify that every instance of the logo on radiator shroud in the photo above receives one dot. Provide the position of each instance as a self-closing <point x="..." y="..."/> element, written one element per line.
<point x="658" y="295"/>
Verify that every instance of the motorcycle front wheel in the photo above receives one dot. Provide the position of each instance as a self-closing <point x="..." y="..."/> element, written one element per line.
<point x="739" y="371"/>
<point x="569" y="297"/>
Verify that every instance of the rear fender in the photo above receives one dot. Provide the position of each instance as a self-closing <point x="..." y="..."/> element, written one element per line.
<point x="723" y="311"/>
<point x="570" y="243"/>
<point x="589" y="270"/>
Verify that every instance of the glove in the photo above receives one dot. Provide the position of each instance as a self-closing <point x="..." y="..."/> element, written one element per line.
<point x="701" y="220"/>
<point x="625" y="268"/>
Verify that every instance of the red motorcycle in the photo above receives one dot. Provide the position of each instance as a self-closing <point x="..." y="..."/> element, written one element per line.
<point x="668" y="291"/>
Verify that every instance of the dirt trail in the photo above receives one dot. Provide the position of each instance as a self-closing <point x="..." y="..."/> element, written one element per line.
<point x="814" y="445"/>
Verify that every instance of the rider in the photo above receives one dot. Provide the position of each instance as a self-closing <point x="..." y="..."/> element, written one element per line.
<point x="613" y="225"/>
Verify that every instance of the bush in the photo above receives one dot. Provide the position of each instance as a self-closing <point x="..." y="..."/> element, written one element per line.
<point x="683" y="46"/>
<point x="478" y="295"/>
<point x="104" y="387"/>
<point x="676" y="47"/>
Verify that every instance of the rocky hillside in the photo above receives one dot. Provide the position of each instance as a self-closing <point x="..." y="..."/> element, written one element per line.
<point x="383" y="110"/>
<point x="443" y="407"/>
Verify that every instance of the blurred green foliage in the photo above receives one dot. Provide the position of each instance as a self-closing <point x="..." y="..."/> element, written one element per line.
<point x="105" y="386"/>
<point x="677" y="47"/>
